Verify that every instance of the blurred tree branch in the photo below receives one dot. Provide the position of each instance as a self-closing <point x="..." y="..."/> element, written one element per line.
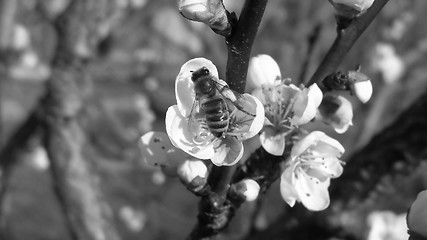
<point x="7" y="20"/>
<point x="76" y="181"/>
<point x="80" y="28"/>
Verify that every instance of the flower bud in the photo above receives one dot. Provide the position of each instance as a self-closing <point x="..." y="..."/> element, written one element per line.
<point x="193" y="172"/>
<point x="417" y="215"/>
<point x="336" y="111"/>
<point x="194" y="9"/>
<point x="262" y="70"/>
<point x="246" y="189"/>
<point x="351" y="8"/>
<point x="362" y="89"/>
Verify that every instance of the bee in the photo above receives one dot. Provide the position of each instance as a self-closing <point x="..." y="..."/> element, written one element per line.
<point x="214" y="102"/>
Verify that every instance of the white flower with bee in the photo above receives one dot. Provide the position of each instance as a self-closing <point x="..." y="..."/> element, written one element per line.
<point x="210" y="121"/>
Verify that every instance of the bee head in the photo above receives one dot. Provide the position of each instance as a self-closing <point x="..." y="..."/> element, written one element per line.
<point x="201" y="72"/>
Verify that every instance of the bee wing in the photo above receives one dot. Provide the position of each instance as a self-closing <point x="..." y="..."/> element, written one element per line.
<point x="195" y="112"/>
<point x="235" y="98"/>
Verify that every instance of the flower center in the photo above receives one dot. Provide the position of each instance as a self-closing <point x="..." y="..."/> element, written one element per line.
<point x="279" y="108"/>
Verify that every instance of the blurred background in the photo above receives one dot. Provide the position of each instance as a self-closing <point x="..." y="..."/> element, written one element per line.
<point x="132" y="84"/>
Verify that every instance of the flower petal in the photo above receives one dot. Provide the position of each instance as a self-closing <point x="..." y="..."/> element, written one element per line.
<point x="228" y="152"/>
<point x="337" y="112"/>
<point x="184" y="86"/>
<point x="306" y="105"/>
<point x="263" y="69"/>
<point x="157" y="150"/>
<point x="287" y="188"/>
<point x="320" y="142"/>
<point x="272" y="141"/>
<point x="190" y="138"/>
<point x="312" y="192"/>
<point x="154" y="147"/>
<point x="246" y="126"/>
<point x="323" y="168"/>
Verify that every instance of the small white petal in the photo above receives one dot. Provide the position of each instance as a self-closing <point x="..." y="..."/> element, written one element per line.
<point x="251" y="189"/>
<point x="312" y="192"/>
<point x="287" y="185"/>
<point x="272" y="141"/>
<point x="308" y="101"/>
<point x="320" y="141"/>
<point x="154" y="147"/>
<point x="263" y="69"/>
<point x="337" y="112"/>
<point x="258" y="121"/>
<point x="229" y="151"/>
<point x="191" y="169"/>
<point x="363" y="90"/>
<point x="182" y="135"/>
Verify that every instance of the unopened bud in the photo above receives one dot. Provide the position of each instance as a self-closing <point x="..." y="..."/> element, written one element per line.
<point x="362" y="89"/>
<point x="351" y="8"/>
<point x="246" y="189"/>
<point x="191" y="172"/>
<point x="210" y="12"/>
<point x="197" y="10"/>
<point x="337" y="112"/>
<point x="417" y="216"/>
<point x="263" y="69"/>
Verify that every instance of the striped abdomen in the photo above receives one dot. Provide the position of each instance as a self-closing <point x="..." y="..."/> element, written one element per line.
<point x="217" y="116"/>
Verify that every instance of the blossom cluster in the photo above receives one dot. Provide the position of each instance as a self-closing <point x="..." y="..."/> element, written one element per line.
<point x="210" y="122"/>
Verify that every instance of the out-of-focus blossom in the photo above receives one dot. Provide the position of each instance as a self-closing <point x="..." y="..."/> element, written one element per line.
<point x="186" y="125"/>
<point x="30" y="68"/>
<point x="20" y="38"/>
<point x="134" y="219"/>
<point x="313" y="162"/>
<point x="262" y="69"/>
<point x="417" y="215"/>
<point x="337" y="112"/>
<point x="386" y="61"/>
<point x="351" y="8"/>
<point x="286" y="105"/>
<point x="247" y="189"/>
<point x="190" y="170"/>
<point x="386" y="225"/>
<point x="157" y="151"/>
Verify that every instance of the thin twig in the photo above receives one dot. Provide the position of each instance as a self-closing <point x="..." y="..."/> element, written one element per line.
<point x="344" y="41"/>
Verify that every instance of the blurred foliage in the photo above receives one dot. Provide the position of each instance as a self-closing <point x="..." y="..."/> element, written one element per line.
<point x="133" y="83"/>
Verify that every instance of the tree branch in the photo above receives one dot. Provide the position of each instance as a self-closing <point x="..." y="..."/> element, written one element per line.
<point x="344" y="41"/>
<point x="239" y="45"/>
